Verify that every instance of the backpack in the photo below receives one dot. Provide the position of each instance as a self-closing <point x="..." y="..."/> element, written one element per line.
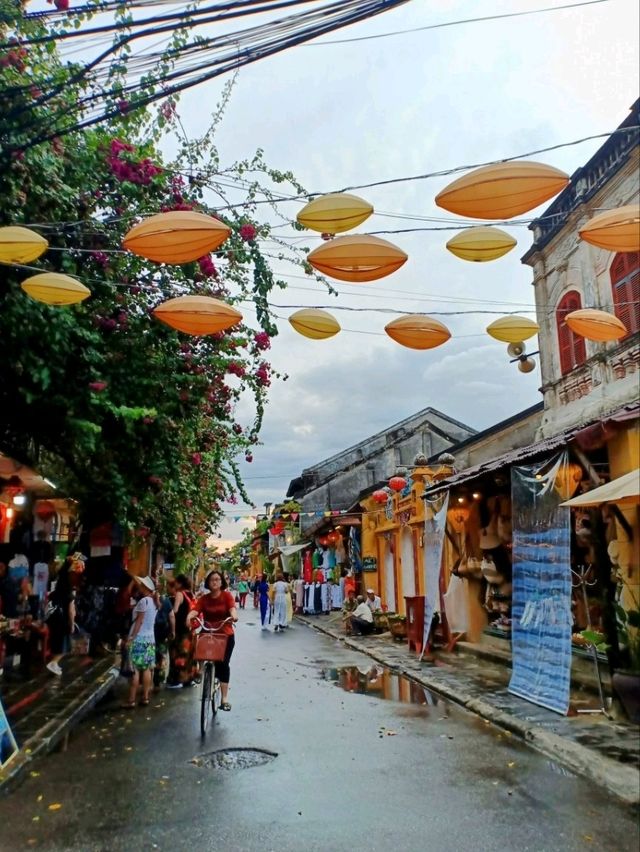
<point x="161" y="626"/>
<point x="189" y="598"/>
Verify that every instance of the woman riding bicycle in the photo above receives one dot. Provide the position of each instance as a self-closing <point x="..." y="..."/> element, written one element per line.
<point x="214" y="607"/>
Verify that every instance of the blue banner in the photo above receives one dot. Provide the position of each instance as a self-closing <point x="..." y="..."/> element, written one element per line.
<point x="541" y="606"/>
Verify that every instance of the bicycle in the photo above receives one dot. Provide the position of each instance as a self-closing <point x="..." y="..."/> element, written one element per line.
<point x="211" y="646"/>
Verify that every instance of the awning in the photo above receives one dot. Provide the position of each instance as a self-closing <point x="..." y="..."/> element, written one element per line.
<point x="290" y="549"/>
<point x="625" y="491"/>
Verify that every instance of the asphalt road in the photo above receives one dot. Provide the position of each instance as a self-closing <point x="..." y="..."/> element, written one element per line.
<point x="353" y="771"/>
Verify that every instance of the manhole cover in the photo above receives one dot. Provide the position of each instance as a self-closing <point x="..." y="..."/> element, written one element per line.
<point x="234" y="758"/>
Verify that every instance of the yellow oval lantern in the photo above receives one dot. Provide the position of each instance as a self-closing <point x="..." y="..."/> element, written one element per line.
<point x="177" y="237"/>
<point x="568" y="479"/>
<point x="53" y="288"/>
<point x="314" y="323"/>
<point x="512" y="329"/>
<point x="20" y="245"/>
<point x="198" y="315"/>
<point x="357" y="258"/>
<point x="335" y="213"/>
<point x="502" y="190"/>
<point x="481" y="244"/>
<point x="596" y="325"/>
<point x="614" y="230"/>
<point x="416" y="331"/>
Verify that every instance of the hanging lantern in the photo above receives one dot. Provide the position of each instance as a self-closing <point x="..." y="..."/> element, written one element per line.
<point x="416" y="331"/>
<point x="335" y="213"/>
<point x="45" y="510"/>
<point x="502" y="190"/>
<point x="314" y="323"/>
<point x="380" y="496"/>
<point x="481" y="244"/>
<point x="13" y="486"/>
<point x="198" y="315"/>
<point x="512" y="329"/>
<point x="596" y="325"/>
<point x="177" y="237"/>
<point x="568" y="480"/>
<point x="20" y="245"/>
<point x="357" y="258"/>
<point x="53" y="288"/>
<point x="397" y="483"/>
<point x="614" y="230"/>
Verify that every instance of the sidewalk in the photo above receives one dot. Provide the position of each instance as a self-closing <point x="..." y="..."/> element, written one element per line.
<point x="603" y="750"/>
<point x="44" y="709"/>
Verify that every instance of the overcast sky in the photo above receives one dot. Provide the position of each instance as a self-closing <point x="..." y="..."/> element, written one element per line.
<point x="345" y="114"/>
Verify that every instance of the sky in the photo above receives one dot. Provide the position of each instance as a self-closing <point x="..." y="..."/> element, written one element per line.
<point x="351" y="113"/>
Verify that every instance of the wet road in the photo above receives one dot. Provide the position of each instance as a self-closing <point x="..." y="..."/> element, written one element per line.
<point x="365" y="761"/>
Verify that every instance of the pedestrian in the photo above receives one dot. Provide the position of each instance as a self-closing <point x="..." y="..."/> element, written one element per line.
<point x="373" y="601"/>
<point x="262" y="588"/>
<point x="348" y="607"/>
<point x="243" y="589"/>
<point x="362" y="618"/>
<point x="280" y="594"/>
<point x="141" y="641"/>
<point x="164" y="630"/>
<point x="214" y="608"/>
<point x="182" y="670"/>
<point x="61" y="617"/>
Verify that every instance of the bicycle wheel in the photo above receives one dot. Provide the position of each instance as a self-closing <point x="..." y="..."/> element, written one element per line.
<point x="205" y="702"/>
<point x="216" y="697"/>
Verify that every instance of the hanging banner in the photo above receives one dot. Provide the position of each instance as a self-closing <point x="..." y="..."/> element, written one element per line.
<point x="434" y="532"/>
<point x="8" y="745"/>
<point x="541" y="606"/>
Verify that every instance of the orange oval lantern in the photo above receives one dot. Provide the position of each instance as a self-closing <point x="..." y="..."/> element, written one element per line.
<point x="177" y="237"/>
<point x="197" y="314"/>
<point x="596" y="325"/>
<point x="614" y="230"/>
<point x="416" y="331"/>
<point x="314" y="323"/>
<point x="335" y="213"/>
<point x="20" y="245"/>
<point x="397" y="483"/>
<point x="481" y="244"/>
<point x="357" y="258"/>
<point x="502" y="190"/>
<point x="53" y="288"/>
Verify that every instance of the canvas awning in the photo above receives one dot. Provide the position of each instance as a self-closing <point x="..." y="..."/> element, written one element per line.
<point x="290" y="549"/>
<point x="625" y="491"/>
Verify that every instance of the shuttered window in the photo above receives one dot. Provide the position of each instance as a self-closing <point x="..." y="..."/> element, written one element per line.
<point x="572" y="348"/>
<point x="625" y="286"/>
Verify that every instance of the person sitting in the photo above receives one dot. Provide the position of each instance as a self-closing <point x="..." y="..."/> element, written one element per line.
<point x="362" y="619"/>
<point x="373" y="601"/>
<point x="348" y="606"/>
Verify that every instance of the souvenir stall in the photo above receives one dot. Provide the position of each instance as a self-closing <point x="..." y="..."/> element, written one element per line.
<point x="326" y="571"/>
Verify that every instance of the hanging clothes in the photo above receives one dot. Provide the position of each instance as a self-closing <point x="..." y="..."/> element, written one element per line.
<point x="307" y="567"/>
<point x="317" y="598"/>
<point x="341" y="553"/>
<point x="336" y="596"/>
<point x="299" y="594"/>
<point x="325" y="593"/>
<point x="456" y="604"/>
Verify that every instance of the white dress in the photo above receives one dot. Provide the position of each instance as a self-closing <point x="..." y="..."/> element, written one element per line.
<point x="280" y="604"/>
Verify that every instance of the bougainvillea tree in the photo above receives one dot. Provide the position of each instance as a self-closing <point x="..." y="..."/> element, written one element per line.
<point x="133" y="419"/>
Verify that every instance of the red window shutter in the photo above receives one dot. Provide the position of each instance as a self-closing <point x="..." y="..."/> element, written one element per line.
<point x="625" y="286"/>
<point x="571" y="347"/>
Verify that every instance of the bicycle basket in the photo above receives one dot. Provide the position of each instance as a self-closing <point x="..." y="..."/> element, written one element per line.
<point x="211" y="646"/>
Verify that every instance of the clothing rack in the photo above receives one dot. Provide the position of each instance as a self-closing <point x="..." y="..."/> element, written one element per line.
<point x="580" y="581"/>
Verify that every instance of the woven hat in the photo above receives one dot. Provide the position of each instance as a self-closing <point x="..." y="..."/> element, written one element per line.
<point x="147" y="582"/>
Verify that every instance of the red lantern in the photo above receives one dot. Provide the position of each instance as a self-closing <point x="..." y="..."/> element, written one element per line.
<point x="397" y="483"/>
<point x="334" y="537"/>
<point x="14" y="486"/>
<point x="45" y="510"/>
<point x="323" y="540"/>
<point x="380" y="496"/>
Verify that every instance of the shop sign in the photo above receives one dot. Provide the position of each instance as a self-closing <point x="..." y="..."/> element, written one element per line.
<point x="8" y="745"/>
<point x="369" y="563"/>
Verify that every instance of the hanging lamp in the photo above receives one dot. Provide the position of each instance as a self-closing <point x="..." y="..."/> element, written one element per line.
<point x="335" y="213"/>
<point x="596" y="325"/>
<point x="53" y="288"/>
<point x="357" y="258"/>
<point x="512" y="329"/>
<point x="502" y="190"/>
<point x="614" y="230"/>
<point x="20" y="245"/>
<point x="416" y="331"/>
<point x="314" y="323"/>
<point x="198" y="315"/>
<point x="180" y="236"/>
<point x="481" y="244"/>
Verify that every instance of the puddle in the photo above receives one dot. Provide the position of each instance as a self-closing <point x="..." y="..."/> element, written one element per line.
<point x="228" y="759"/>
<point x="381" y="682"/>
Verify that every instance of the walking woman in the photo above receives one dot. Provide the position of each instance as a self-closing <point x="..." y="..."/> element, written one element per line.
<point x="142" y="642"/>
<point x="61" y="617"/>
<point x="243" y="589"/>
<point x="263" y="595"/>
<point x="281" y="592"/>
<point x="182" y="670"/>
<point x="214" y="607"/>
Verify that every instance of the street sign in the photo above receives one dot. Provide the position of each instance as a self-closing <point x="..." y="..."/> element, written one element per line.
<point x="369" y="563"/>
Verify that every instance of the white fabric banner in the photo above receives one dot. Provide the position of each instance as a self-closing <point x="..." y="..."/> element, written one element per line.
<point x="434" y="531"/>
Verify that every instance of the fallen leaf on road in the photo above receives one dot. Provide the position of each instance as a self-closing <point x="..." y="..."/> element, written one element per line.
<point x="40" y="798"/>
<point x="495" y="783"/>
<point x="55" y="806"/>
<point x="128" y="748"/>
<point x="511" y="764"/>
<point x="32" y="841"/>
<point x="487" y="722"/>
<point x="34" y="774"/>
<point x="165" y="777"/>
<point x="587" y="837"/>
<point x="391" y="733"/>
<point x="35" y="819"/>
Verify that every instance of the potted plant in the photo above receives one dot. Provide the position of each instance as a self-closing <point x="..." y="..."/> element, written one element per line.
<point x="398" y="626"/>
<point x="380" y="619"/>
<point x="626" y="681"/>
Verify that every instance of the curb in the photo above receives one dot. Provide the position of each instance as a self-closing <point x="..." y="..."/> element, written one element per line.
<point x="619" y="779"/>
<point x="48" y="737"/>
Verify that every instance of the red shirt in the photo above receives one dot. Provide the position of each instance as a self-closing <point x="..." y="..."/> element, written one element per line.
<point x="215" y="610"/>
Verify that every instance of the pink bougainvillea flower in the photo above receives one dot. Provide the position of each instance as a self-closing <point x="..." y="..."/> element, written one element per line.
<point x="196" y="458"/>
<point x="207" y="266"/>
<point x="61" y="5"/>
<point x="262" y="340"/>
<point x="123" y="105"/>
<point x="98" y="387"/>
<point x="248" y="457"/>
<point x="248" y="232"/>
